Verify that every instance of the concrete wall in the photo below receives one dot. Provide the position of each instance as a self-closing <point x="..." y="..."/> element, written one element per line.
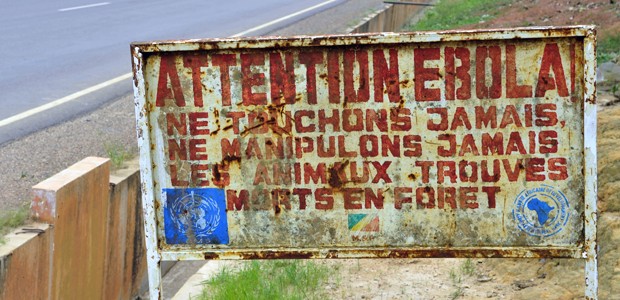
<point x="88" y="241"/>
<point x="391" y="19"/>
<point x="25" y="263"/>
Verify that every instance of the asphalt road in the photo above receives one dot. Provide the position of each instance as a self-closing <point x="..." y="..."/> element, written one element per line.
<point x="52" y="49"/>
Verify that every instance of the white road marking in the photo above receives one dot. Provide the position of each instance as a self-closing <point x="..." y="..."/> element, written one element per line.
<point x="62" y="100"/>
<point x="84" y="6"/>
<point x="112" y="81"/>
<point x="283" y="18"/>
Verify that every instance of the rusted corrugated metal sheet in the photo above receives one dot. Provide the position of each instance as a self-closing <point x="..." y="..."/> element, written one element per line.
<point x="451" y="144"/>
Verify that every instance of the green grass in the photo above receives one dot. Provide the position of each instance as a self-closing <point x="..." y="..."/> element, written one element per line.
<point x="467" y="269"/>
<point x="278" y="279"/>
<point x="458" y="292"/>
<point x="12" y="219"/>
<point x="609" y="48"/>
<point x="117" y="154"/>
<point x="456" y="279"/>
<point x="450" y="14"/>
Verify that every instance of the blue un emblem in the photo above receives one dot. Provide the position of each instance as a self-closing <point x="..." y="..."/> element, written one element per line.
<point x="195" y="216"/>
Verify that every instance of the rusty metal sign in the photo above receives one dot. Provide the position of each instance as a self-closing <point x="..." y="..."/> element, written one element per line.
<point x="445" y="144"/>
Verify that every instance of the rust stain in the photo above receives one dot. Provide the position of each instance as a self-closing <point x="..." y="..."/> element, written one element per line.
<point x="335" y="171"/>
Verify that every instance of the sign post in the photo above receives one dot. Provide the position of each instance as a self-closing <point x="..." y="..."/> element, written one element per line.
<point x="433" y="144"/>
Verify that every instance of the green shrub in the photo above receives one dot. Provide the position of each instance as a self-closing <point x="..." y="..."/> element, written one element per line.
<point x="278" y="279"/>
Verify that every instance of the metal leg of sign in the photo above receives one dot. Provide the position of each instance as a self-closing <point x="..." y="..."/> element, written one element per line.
<point x="591" y="275"/>
<point x="154" y="273"/>
<point x="153" y="258"/>
<point x="590" y="253"/>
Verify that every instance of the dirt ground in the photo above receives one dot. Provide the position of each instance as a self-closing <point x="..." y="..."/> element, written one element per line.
<point x="451" y="278"/>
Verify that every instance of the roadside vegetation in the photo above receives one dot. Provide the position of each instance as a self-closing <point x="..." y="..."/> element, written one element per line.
<point x="118" y="154"/>
<point x="458" y="274"/>
<point x="451" y="14"/>
<point x="609" y="48"/>
<point x="274" y="279"/>
<point x="11" y="219"/>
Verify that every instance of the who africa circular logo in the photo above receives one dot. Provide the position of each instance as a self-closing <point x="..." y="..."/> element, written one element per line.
<point x="541" y="211"/>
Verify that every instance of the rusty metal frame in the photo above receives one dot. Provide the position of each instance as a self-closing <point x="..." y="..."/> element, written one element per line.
<point x="364" y="39"/>
<point x="587" y="251"/>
